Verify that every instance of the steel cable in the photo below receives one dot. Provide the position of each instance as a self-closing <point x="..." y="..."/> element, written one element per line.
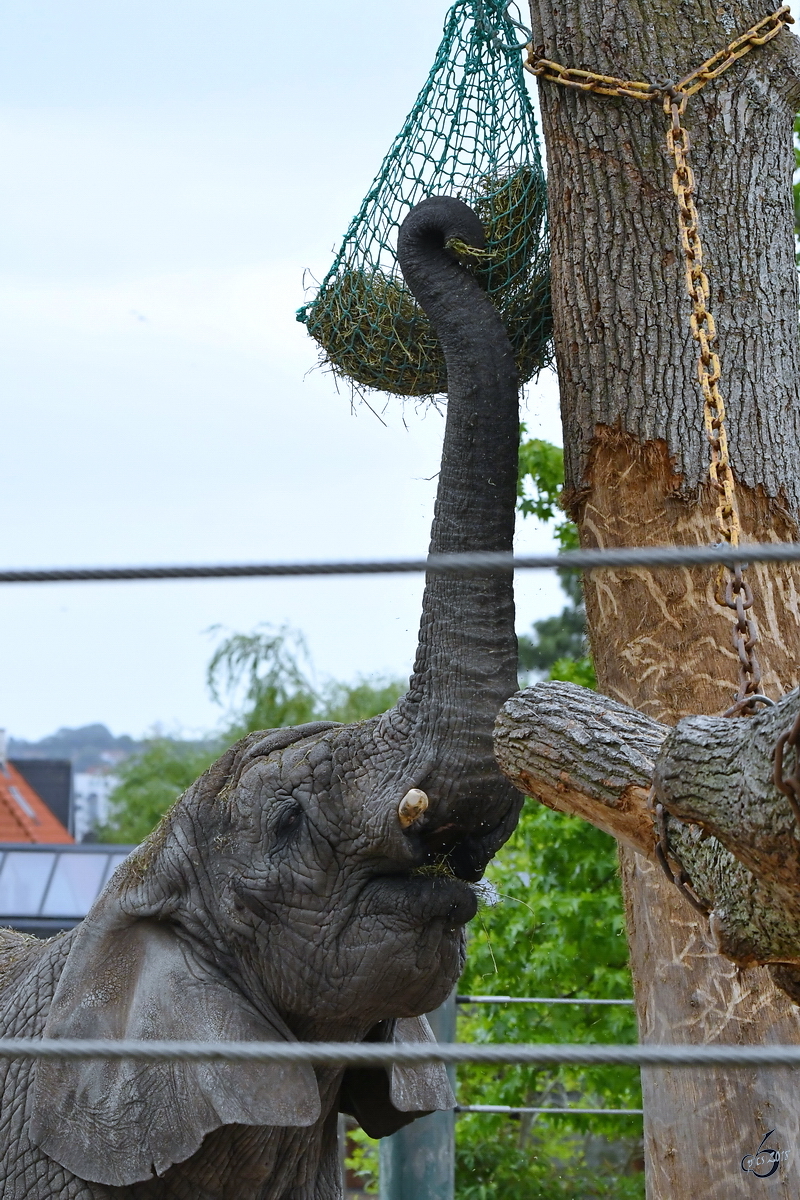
<point x="370" y="1054"/>
<point x="479" y="563"/>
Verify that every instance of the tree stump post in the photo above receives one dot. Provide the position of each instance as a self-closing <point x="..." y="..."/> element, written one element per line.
<point x="418" y="1162"/>
<point x="636" y="463"/>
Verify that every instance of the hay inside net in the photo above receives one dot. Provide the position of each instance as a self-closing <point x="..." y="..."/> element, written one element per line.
<point x="471" y="134"/>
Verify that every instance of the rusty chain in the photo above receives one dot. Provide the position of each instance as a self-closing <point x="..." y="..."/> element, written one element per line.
<point x="609" y="85"/>
<point x="663" y="853"/>
<point x="737" y="594"/>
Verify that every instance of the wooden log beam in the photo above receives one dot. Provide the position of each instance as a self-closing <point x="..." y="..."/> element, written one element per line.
<point x="581" y="753"/>
<point x="735" y="835"/>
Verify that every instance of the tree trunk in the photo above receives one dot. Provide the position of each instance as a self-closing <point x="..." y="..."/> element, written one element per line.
<point x="636" y="459"/>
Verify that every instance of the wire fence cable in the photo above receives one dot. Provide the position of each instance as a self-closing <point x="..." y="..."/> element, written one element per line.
<point x="511" y="1110"/>
<point x="479" y="563"/>
<point x="371" y="1054"/>
<point x="535" y="1000"/>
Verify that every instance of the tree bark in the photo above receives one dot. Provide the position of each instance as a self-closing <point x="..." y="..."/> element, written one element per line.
<point x="580" y="753"/>
<point x="590" y="756"/>
<point x="636" y="466"/>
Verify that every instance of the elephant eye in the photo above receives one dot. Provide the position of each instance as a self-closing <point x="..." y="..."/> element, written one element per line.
<point x="288" y="819"/>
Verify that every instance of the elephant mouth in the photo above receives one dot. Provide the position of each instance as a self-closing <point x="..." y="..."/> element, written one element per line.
<point x="421" y="898"/>
<point x="452" y="850"/>
<point x="449" y="859"/>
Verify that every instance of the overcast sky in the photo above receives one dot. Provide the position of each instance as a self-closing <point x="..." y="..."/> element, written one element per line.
<point x="171" y="170"/>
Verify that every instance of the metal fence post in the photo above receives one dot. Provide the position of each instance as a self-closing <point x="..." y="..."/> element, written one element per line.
<point x="418" y="1162"/>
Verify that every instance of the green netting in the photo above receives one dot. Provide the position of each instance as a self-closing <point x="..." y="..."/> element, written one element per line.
<point x="471" y="134"/>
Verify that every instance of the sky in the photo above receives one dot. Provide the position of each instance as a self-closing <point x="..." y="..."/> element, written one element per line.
<point x="175" y="172"/>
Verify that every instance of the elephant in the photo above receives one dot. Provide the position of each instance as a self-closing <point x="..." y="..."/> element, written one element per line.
<point x="313" y="884"/>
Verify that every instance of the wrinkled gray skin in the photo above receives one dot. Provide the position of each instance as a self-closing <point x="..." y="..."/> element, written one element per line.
<point x="277" y="900"/>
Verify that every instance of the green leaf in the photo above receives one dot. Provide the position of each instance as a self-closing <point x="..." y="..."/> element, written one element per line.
<point x="150" y="783"/>
<point x="575" y="670"/>
<point x="540" y="478"/>
<point x="558" y="643"/>
<point x="362" y="1159"/>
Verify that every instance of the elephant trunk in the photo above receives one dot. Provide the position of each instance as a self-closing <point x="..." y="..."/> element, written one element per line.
<point x="466" y="663"/>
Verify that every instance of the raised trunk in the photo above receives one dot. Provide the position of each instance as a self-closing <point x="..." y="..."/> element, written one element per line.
<point x="636" y="455"/>
<point x="466" y="663"/>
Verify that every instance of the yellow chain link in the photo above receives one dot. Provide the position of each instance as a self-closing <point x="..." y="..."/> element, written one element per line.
<point x="761" y="33"/>
<point x="712" y="68"/>
<point x="588" y="81"/>
<point x="703" y="327"/>
<point x="737" y="595"/>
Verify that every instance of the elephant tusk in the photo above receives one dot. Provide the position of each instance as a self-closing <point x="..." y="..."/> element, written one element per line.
<point x="411" y="807"/>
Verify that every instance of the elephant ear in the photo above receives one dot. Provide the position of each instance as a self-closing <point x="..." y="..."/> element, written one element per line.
<point x="131" y="973"/>
<point x="383" y="1101"/>
<point x="119" y="1122"/>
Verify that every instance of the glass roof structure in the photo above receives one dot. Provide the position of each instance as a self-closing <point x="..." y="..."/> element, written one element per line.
<point x="44" y="889"/>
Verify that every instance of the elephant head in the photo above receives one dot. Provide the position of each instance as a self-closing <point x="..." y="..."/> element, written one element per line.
<point x="315" y="882"/>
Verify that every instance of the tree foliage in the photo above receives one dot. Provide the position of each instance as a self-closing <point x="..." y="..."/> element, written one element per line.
<point x="540" y="478"/>
<point x="557" y="930"/>
<point x="150" y="783"/>
<point x="260" y="676"/>
<point x="558" y="648"/>
<point x="560" y="637"/>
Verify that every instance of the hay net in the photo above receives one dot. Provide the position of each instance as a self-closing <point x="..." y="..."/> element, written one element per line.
<point x="471" y="134"/>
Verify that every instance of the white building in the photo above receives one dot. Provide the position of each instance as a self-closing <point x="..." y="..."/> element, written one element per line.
<point x="91" y="792"/>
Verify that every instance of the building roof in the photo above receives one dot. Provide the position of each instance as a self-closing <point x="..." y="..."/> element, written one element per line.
<point x="24" y="817"/>
<point x="51" y="779"/>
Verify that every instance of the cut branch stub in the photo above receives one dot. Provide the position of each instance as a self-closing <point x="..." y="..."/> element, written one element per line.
<point x="581" y="753"/>
<point x="717" y="774"/>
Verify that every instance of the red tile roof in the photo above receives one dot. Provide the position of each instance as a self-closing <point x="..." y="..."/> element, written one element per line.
<point x="24" y="817"/>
